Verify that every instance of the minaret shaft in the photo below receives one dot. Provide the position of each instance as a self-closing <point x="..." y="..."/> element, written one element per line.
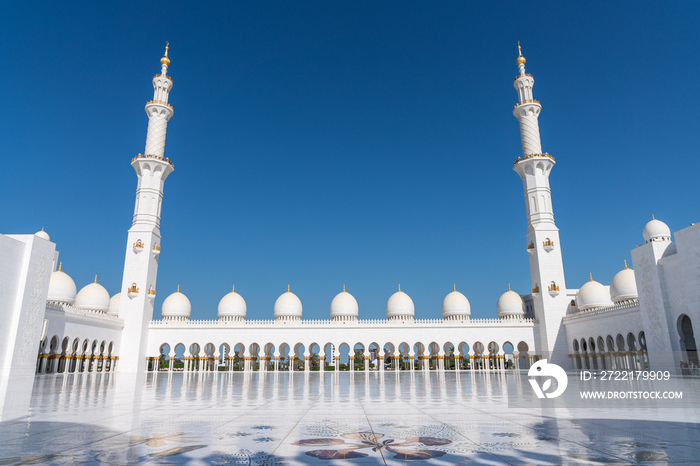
<point x="549" y="294"/>
<point x="143" y="241"/>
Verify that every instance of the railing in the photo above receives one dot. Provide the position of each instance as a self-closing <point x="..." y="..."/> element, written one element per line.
<point x="362" y="323"/>
<point x="69" y="309"/>
<point x="159" y="102"/>
<point x="521" y="75"/>
<point x="163" y="76"/>
<point x="152" y="156"/>
<point x="627" y="304"/>
<point x="527" y="101"/>
<point x="525" y="157"/>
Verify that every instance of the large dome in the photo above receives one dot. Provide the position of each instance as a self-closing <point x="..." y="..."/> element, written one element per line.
<point x="510" y="304"/>
<point x="400" y="306"/>
<point x="43" y="235"/>
<point x="455" y="305"/>
<point x="94" y="296"/>
<point x="232" y="307"/>
<point x="623" y="285"/>
<point x="656" y="230"/>
<point x="61" y="287"/>
<point x="176" y="307"/>
<point x="344" y="306"/>
<point x="593" y="295"/>
<point x="114" y="304"/>
<point x="288" y="306"/>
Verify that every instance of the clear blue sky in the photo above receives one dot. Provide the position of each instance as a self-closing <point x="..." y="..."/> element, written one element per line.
<point x="360" y="143"/>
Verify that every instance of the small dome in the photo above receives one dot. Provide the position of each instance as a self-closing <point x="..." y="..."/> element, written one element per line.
<point x="510" y="304"/>
<point x="455" y="304"/>
<point x="593" y="295"/>
<point x="94" y="297"/>
<point x="61" y="287"/>
<point x="623" y="285"/>
<point x="232" y="305"/>
<point x="400" y="305"/>
<point x="114" y="305"/>
<point x="344" y="305"/>
<point x="656" y="230"/>
<point x="288" y="305"/>
<point x="176" y="306"/>
<point x="43" y="235"/>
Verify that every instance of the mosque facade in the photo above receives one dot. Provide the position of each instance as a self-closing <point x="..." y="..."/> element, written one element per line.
<point x="642" y="320"/>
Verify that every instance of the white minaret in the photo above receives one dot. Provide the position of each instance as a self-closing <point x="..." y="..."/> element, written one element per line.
<point x="143" y="243"/>
<point x="546" y="267"/>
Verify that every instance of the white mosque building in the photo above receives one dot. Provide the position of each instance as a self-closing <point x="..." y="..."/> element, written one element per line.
<point x="642" y="319"/>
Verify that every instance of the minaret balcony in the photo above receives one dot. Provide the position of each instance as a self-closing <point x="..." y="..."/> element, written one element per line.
<point x="525" y="157"/>
<point x="152" y="156"/>
<point x="536" y="289"/>
<point x="138" y="246"/>
<point x="156" y="250"/>
<point x="159" y="102"/>
<point x="531" y="248"/>
<point x="548" y="245"/>
<point x="527" y="101"/>
<point x="151" y="294"/>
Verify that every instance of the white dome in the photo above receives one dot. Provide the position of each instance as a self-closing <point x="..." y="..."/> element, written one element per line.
<point x="510" y="304"/>
<point x="344" y="305"/>
<point x="114" y="305"/>
<point x="593" y="295"/>
<point x="61" y="287"/>
<point x="400" y="305"/>
<point x="176" y="306"/>
<point x="623" y="285"/>
<point x="42" y="234"/>
<point x="455" y="304"/>
<point x="656" y="230"/>
<point x="232" y="305"/>
<point x="93" y="296"/>
<point x="288" y="305"/>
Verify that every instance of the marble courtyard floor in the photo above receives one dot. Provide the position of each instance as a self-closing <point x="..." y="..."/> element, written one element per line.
<point x="311" y="418"/>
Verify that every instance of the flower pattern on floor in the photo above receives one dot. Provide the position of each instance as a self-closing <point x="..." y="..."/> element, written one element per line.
<point x="411" y="448"/>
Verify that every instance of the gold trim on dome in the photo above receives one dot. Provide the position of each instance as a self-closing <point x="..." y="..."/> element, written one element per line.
<point x="165" y="60"/>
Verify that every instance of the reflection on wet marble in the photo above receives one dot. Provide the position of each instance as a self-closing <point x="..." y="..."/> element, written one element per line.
<point x="311" y="418"/>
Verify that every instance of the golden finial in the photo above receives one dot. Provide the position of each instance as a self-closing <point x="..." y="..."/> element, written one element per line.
<point x="521" y="59"/>
<point x="59" y="266"/>
<point x="591" y="276"/>
<point x="343" y="288"/>
<point x="178" y="289"/>
<point x="454" y="287"/>
<point x="652" y="217"/>
<point x="508" y="286"/>
<point x="288" y="289"/>
<point x="399" y="286"/>
<point x="625" y="264"/>
<point x="95" y="278"/>
<point x="233" y="289"/>
<point x="165" y="60"/>
<point x="42" y="228"/>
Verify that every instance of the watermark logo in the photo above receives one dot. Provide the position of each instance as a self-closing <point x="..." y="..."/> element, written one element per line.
<point x="544" y="369"/>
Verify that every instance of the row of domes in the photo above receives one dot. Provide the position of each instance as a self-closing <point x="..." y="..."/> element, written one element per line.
<point x="343" y="306"/>
<point x="594" y="295"/>
<point x="93" y="297"/>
